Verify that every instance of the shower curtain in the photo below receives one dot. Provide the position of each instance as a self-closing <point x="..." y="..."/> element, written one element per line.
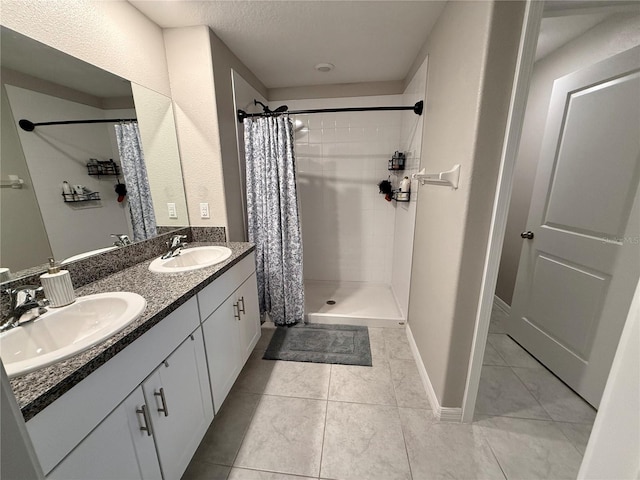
<point x="143" y="218"/>
<point x="273" y="221"/>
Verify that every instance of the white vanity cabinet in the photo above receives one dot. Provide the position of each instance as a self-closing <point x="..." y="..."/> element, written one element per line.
<point x="117" y="448"/>
<point x="179" y="405"/>
<point x="231" y="326"/>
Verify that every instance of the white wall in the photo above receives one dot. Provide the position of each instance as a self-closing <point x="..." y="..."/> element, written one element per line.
<point x="112" y="35"/>
<point x="60" y="153"/>
<point x="468" y="92"/>
<point x="23" y="239"/>
<point x="158" y="135"/>
<point x="347" y="226"/>
<point x="608" y="38"/>
<point x="614" y="444"/>
<point x="405" y="218"/>
<point x="243" y="96"/>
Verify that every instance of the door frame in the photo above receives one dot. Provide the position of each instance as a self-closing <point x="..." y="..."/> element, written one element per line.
<point x="517" y="106"/>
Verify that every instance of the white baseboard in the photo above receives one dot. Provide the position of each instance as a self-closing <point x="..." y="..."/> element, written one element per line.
<point x="443" y="414"/>
<point x="501" y="304"/>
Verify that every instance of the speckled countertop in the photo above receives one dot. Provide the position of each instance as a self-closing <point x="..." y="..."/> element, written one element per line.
<point x="164" y="293"/>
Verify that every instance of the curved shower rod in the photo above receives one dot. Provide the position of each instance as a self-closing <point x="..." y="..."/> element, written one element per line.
<point x="417" y="109"/>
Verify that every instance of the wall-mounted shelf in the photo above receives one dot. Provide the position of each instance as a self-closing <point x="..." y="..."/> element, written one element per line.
<point x="449" y="178"/>
<point x="397" y="162"/>
<point x="401" y="197"/>
<point x="103" y="167"/>
<point x="85" y="197"/>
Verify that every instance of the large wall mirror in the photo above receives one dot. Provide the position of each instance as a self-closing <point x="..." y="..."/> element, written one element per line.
<point x="41" y="84"/>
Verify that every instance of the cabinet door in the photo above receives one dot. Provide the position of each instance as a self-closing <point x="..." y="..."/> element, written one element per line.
<point x="250" y="331"/>
<point x="180" y="406"/>
<point x="116" y="448"/>
<point x="221" y="338"/>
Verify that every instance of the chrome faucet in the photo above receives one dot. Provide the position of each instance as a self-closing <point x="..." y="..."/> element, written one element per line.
<point x="175" y="245"/>
<point x="122" y="239"/>
<point x="23" y="300"/>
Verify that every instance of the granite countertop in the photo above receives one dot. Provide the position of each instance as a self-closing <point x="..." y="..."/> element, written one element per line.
<point x="164" y="293"/>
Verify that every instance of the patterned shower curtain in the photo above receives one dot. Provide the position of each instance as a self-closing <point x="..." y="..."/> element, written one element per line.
<point x="273" y="221"/>
<point x="143" y="218"/>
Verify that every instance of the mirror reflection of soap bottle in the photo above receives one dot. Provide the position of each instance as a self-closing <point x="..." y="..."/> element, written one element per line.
<point x="66" y="188"/>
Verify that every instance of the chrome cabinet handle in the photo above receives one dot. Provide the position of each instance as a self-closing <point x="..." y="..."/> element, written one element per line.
<point x="164" y="402"/>
<point x="236" y="311"/>
<point x="241" y="300"/>
<point x="147" y="424"/>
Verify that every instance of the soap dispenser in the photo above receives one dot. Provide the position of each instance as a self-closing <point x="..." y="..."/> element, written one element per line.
<point x="57" y="285"/>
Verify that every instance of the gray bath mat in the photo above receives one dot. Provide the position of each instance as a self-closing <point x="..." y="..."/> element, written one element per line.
<point x="319" y="343"/>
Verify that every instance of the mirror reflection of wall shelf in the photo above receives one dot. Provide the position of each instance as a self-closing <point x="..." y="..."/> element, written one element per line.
<point x="103" y="168"/>
<point x="82" y="197"/>
<point x="399" y="196"/>
<point x="13" y="182"/>
<point x="449" y="178"/>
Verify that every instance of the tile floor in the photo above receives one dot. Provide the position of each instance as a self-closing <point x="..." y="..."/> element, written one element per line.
<point x="289" y="420"/>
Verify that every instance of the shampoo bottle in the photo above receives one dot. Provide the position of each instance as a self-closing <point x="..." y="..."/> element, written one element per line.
<point x="58" y="288"/>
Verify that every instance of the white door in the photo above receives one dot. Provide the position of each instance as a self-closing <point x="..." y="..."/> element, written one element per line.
<point x="577" y="274"/>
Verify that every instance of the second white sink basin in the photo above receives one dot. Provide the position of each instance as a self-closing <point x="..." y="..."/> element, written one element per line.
<point x="63" y="332"/>
<point x="191" y="259"/>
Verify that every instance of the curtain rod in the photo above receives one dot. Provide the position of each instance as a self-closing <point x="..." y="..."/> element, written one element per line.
<point x="29" y="126"/>
<point x="417" y="109"/>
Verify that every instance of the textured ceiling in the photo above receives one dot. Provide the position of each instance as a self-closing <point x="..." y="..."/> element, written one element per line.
<point x="281" y="41"/>
<point x="23" y="54"/>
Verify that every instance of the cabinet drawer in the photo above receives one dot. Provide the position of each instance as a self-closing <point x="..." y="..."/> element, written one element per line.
<point x="212" y="296"/>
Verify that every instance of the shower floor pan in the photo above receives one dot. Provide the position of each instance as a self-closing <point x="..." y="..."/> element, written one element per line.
<point x="356" y="303"/>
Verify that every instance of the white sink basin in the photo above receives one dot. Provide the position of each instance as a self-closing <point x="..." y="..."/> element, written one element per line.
<point x="63" y="332"/>
<point x="191" y="259"/>
<point x="80" y="256"/>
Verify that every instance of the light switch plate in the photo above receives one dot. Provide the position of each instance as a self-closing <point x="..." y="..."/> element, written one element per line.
<point x="172" y="210"/>
<point x="204" y="210"/>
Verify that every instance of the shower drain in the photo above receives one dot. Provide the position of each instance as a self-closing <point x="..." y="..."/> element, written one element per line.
<point x="331" y="302"/>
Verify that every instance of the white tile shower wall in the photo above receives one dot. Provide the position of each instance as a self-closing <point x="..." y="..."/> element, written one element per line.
<point x="347" y="226"/>
<point x="405" y="217"/>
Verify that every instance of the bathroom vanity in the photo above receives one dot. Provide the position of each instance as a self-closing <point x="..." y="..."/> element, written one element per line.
<point x="138" y="405"/>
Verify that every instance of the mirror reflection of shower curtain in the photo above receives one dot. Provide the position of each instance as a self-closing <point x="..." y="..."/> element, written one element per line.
<point x="273" y="220"/>
<point x="143" y="218"/>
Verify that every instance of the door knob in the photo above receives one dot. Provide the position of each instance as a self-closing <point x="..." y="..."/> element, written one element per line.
<point x="528" y="234"/>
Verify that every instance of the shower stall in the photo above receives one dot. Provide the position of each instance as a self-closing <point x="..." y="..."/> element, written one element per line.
<point x="357" y="246"/>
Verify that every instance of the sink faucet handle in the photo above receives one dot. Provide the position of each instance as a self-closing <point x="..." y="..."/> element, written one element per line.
<point x="122" y="239"/>
<point x="177" y="240"/>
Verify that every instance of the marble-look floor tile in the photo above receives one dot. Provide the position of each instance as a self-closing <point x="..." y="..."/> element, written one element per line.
<point x="245" y="474"/>
<point x="378" y="350"/>
<point x="298" y="379"/>
<point x="492" y="357"/>
<point x="502" y="393"/>
<point x="364" y="442"/>
<point x="512" y="353"/>
<point x="397" y="344"/>
<point x="407" y="383"/>
<point x="255" y="375"/>
<point x="498" y="321"/>
<point x="560" y="402"/>
<point x="267" y="330"/>
<point x="285" y="436"/>
<point x="351" y="383"/>
<point x="577" y="433"/>
<point x="446" y="450"/>
<point x="205" y="471"/>
<point x="531" y="449"/>
<point x="222" y="441"/>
